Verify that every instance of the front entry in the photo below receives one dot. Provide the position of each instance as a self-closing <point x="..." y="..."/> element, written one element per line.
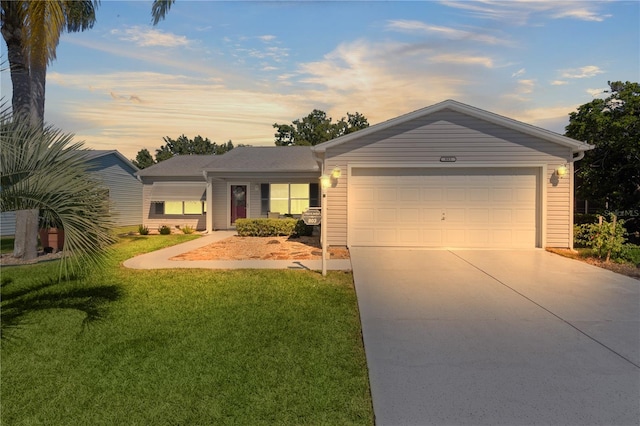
<point x="238" y="202"/>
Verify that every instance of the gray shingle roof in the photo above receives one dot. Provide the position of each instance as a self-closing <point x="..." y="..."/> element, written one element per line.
<point x="240" y="159"/>
<point x="179" y="165"/>
<point x="266" y="159"/>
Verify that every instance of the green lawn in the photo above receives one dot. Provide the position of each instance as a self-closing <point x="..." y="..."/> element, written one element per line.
<point x="6" y="245"/>
<point x="181" y="347"/>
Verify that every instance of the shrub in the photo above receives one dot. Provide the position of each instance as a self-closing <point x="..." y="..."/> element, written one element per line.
<point x="265" y="227"/>
<point x="606" y="239"/>
<point x="164" y="230"/>
<point x="187" y="229"/>
<point x="143" y="230"/>
<point x="631" y="253"/>
<point x="302" y="229"/>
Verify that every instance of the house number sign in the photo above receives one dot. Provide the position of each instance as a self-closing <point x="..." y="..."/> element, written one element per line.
<point x="449" y="159"/>
<point x="312" y="217"/>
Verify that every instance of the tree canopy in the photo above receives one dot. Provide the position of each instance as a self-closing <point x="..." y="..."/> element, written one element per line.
<point x="182" y="145"/>
<point x="610" y="173"/>
<point x="316" y="128"/>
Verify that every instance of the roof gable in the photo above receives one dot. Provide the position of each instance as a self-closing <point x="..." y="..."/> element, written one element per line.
<point x="95" y="154"/>
<point x="576" y="146"/>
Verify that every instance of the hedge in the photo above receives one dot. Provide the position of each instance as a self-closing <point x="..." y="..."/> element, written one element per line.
<point x="272" y="227"/>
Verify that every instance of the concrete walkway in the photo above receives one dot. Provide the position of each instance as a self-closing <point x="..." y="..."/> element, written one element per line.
<point x="487" y="337"/>
<point x="160" y="259"/>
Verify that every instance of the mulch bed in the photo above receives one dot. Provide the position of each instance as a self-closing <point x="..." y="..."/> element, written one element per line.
<point x="264" y="248"/>
<point x="620" y="268"/>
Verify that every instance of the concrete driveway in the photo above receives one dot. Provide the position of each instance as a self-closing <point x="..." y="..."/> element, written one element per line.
<point x="485" y="337"/>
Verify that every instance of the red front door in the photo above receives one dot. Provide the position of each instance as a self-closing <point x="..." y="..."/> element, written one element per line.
<point x="238" y="202"/>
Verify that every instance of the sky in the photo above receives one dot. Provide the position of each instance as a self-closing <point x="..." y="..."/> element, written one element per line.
<point x="230" y="70"/>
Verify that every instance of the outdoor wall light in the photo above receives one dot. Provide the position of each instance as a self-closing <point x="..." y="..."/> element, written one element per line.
<point x="336" y="172"/>
<point x="562" y="170"/>
<point x="325" y="181"/>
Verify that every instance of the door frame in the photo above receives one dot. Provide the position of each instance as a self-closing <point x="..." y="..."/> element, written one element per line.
<point x="541" y="187"/>
<point x="228" y="203"/>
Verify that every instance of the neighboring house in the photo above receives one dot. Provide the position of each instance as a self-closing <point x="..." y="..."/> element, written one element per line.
<point x="117" y="174"/>
<point x="449" y="175"/>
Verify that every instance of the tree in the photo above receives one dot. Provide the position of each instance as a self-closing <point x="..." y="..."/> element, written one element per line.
<point x="316" y="128"/>
<point x="182" y="145"/>
<point x="143" y="159"/>
<point x="42" y="170"/>
<point x="610" y="173"/>
<point x="31" y="30"/>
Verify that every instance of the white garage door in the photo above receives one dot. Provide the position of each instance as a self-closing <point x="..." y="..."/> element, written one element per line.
<point x="454" y="207"/>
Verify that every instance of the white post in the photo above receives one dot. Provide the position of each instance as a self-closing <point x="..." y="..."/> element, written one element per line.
<point x="323" y="230"/>
<point x="209" y="204"/>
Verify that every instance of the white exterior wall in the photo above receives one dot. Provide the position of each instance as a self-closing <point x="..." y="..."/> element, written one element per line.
<point x="153" y="221"/>
<point x="473" y="142"/>
<point x="221" y="196"/>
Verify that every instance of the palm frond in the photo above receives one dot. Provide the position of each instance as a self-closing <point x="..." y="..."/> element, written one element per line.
<point x="159" y="9"/>
<point x="42" y="168"/>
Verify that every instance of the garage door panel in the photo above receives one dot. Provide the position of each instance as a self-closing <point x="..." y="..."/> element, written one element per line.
<point x="477" y="237"/>
<point x="478" y="194"/>
<point x="386" y="236"/>
<point x="386" y="216"/>
<point x="432" y="237"/>
<point x="453" y="216"/>
<point x="431" y="215"/>
<point x="525" y="216"/>
<point x="409" y="215"/>
<point x="524" y="194"/>
<point x="364" y="215"/>
<point x="364" y="194"/>
<point x="456" y="194"/>
<point x="432" y="194"/>
<point x="411" y="236"/>
<point x="386" y="194"/>
<point x="410" y="194"/>
<point x="364" y="236"/>
<point x="477" y="216"/>
<point x="501" y="216"/>
<point x="444" y="207"/>
<point x="502" y="194"/>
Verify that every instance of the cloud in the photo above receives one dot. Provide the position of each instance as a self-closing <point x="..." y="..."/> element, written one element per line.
<point x="599" y="92"/>
<point x="146" y="37"/>
<point x="150" y="56"/>
<point x="126" y="98"/>
<point x="518" y="73"/>
<point x="583" y="72"/>
<point x="523" y="12"/>
<point x="463" y="59"/>
<point x="111" y="115"/>
<point x="582" y="14"/>
<point x="559" y="82"/>
<point x="267" y="38"/>
<point x="419" y="27"/>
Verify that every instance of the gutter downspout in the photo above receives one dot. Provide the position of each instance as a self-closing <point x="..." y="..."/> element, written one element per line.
<point x="572" y="188"/>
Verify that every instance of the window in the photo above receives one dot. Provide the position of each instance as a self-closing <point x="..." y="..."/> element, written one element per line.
<point x="288" y="198"/>
<point x="180" y="208"/>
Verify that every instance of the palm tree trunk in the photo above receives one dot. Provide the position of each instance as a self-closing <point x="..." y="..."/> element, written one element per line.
<point x="38" y="76"/>
<point x="18" y="65"/>
<point x="25" y="245"/>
